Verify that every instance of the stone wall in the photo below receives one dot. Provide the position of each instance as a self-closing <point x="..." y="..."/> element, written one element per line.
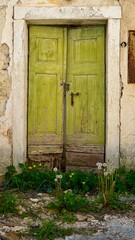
<point x="127" y="101"/>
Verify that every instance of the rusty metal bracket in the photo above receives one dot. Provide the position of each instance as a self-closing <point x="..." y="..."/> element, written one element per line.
<point x="66" y="87"/>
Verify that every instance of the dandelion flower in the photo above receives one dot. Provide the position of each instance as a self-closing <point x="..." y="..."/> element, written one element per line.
<point x="55" y="179"/>
<point x="105" y="173"/>
<point x="59" y="176"/>
<point x="55" y="169"/>
<point x="99" y="167"/>
<point x="99" y="164"/>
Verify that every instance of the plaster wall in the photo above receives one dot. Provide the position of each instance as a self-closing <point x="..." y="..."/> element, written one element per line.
<point x="127" y="101"/>
<point x="5" y="86"/>
<point x="127" y="134"/>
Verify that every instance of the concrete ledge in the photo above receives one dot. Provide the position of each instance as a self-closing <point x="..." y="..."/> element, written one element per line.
<point x="41" y="13"/>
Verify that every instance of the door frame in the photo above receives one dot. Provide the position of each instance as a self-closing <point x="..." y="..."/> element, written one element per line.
<point x="26" y="15"/>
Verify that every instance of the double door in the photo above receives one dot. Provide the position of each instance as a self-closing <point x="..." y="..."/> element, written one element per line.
<point x="66" y="98"/>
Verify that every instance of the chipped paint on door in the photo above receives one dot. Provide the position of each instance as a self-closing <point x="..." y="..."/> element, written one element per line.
<point x="75" y="56"/>
<point x="86" y="98"/>
<point x="45" y="92"/>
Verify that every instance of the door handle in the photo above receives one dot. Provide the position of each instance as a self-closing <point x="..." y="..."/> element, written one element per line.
<point x="72" y="97"/>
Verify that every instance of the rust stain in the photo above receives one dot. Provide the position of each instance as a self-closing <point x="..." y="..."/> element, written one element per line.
<point x="9" y="134"/>
<point x="131" y="57"/>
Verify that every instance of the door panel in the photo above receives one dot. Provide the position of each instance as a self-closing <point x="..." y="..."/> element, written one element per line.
<point x="45" y="105"/>
<point x="85" y="100"/>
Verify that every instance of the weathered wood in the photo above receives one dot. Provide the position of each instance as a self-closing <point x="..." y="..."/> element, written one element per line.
<point x="131" y="57"/>
<point x="86" y="149"/>
<point x="44" y="149"/>
<point x="83" y="159"/>
<point x="73" y="118"/>
<point x="85" y="126"/>
<point x="45" y="90"/>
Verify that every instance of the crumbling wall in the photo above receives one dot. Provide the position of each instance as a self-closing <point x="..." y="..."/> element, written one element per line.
<point x="127" y="107"/>
<point x="5" y="80"/>
<point x="5" y="90"/>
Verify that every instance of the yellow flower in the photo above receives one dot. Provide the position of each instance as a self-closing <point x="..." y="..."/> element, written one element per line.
<point x="70" y="176"/>
<point x="34" y="166"/>
<point x="30" y="168"/>
<point x="83" y="182"/>
<point x="40" y="164"/>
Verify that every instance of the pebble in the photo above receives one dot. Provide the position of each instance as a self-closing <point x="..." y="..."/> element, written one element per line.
<point x="34" y="200"/>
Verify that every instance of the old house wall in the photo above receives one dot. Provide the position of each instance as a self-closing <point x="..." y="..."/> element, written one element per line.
<point x="5" y="86"/>
<point x="127" y="108"/>
<point x="127" y="100"/>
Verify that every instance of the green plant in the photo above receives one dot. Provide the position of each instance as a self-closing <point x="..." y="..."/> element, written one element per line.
<point x="34" y="177"/>
<point x="11" y="171"/>
<point x="58" y="178"/>
<point x="96" y="205"/>
<point x="130" y="181"/>
<point x="80" y="181"/>
<point x="50" y="230"/>
<point x="67" y="217"/>
<point x="115" y="204"/>
<point x="8" y="203"/>
<point x="120" y="184"/>
<point x="70" y="202"/>
<point x="106" y="182"/>
<point x="125" y="180"/>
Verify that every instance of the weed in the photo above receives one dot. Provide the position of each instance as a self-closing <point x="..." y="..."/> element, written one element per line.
<point x="11" y="171"/>
<point x="130" y="181"/>
<point x="50" y="230"/>
<point x="96" y="205"/>
<point x="115" y="204"/>
<point x="79" y="181"/>
<point x="125" y="181"/>
<point x="58" y="178"/>
<point x="107" y="185"/>
<point x="31" y="178"/>
<point x="106" y="182"/>
<point x="67" y="217"/>
<point x="8" y="203"/>
<point x="70" y="202"/>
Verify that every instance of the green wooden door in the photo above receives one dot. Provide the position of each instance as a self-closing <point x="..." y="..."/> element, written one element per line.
<point x="45" y="107"/>
<point x="72" y="119"/>
<point x="85" y="100"/>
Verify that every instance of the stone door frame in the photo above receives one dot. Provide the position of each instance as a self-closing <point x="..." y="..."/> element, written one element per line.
<point x="23" y="16"/>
